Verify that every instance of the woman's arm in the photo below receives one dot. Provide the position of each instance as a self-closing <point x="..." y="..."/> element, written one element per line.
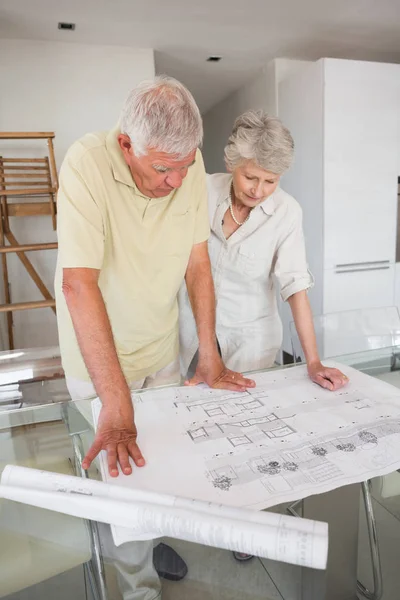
<point x="326" y="377"/>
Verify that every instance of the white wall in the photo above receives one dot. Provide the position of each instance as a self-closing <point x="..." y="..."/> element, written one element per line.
<point x="70" y="89"/>
<point x="285" y="68"/>
<point x="219" y="120"/>
<point x="261" y="92"/>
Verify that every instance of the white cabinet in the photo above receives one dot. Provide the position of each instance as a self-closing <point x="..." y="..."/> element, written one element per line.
<point x="356" y="287"/>
<point x="345" y="120"/>
<point x="359" y="223"/>
<point x="361" y="149"/>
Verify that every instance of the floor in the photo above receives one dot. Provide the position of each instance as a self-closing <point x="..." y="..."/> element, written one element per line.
<point x="214" y="574"/>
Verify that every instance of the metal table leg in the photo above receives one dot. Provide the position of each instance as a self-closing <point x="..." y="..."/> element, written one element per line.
<point x="93" y="530"/>
<point x="377" y="593"/>
<point x="340" y="509"/>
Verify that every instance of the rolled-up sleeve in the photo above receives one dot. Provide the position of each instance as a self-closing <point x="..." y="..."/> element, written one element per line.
<point x="291" y="269"/>
<point x="79" y="221"/>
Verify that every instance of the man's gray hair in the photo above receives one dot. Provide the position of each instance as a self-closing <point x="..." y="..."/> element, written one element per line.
<point x="162" y="114"/>
<point x="262" y="139"/>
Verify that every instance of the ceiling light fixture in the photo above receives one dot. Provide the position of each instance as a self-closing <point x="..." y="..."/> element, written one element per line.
<point x="66" y="26"/>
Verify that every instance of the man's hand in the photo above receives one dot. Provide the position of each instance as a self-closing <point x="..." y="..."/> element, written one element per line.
<point x="116" y="433"/>
<point x="212" y="371"/>
<point x="326" y="377"/>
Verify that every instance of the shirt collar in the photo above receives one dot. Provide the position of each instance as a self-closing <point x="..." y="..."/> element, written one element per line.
<point x="268" y="205"/>
<point x="119" y="167"/>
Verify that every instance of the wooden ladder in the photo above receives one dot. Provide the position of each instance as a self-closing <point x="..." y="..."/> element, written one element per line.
<point x="32" y="178"/>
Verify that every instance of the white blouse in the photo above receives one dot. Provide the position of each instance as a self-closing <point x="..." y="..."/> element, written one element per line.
<point x="268" y="248"/>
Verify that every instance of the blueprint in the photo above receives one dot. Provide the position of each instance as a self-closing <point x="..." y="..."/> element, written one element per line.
<point x="133" y="514"/>
<point x="283" y="440"/>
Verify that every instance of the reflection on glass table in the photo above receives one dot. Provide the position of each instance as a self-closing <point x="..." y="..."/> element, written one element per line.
<point x="31" y="377"/>
<point x="45" y="555"/>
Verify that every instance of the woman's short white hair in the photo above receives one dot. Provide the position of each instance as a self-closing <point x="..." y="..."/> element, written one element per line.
<point x="262" y="139"/>
<point x="162" y="114"/>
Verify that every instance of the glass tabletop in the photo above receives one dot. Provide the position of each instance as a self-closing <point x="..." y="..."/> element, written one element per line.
<point x="44" y="554"/>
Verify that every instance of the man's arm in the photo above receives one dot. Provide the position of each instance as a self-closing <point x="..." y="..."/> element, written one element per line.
<point x="200" y="286"/>
<point x="116" y="432"/>
<point x="326" y="377"/>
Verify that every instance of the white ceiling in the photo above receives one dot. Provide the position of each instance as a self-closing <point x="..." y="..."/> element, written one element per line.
<point x="246" y="33"/>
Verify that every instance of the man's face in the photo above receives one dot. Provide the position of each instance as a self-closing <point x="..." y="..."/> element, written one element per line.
<point x="156" y="174"/>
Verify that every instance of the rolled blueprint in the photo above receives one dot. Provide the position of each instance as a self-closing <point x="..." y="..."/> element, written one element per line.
<point x="269" y="535"/>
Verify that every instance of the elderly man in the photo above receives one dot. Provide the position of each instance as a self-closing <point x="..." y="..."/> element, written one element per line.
<point x="132" y="224"/>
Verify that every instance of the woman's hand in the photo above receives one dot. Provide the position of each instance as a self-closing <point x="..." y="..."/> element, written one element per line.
<point x="327" y="377"/>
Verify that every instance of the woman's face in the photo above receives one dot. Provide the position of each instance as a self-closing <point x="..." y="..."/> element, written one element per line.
<point x="252" y="185"/>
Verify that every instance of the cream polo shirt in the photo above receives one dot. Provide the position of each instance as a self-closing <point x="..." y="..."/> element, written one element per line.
<point x="141" y="247"/>
<point x="268" y="249"/>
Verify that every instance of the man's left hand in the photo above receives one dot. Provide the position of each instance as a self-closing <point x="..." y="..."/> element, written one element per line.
<point x="213" y="372"/>
<point x="327" y="377"/>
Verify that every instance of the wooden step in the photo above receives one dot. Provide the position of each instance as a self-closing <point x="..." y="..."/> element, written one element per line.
<point x="27" y="305"/>
<point x="28" y="192"/>
<point x="30" y="135"/>
<point x="28" y="209"/>
<point x="28" y="247"/>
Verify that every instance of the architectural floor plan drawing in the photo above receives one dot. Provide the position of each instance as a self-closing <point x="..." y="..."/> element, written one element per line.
<point x="283" y="440"/>
<point x="228" y="405"/>
<point x="253" y="430"/>
<point x="326" y="461"/>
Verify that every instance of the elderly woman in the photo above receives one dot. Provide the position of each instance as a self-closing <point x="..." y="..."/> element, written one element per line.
<point x="256" y="242"/>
